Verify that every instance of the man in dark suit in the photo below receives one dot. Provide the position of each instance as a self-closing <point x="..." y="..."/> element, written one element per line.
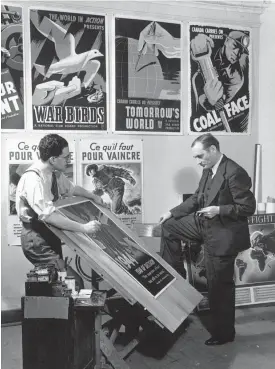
<point x="215" y="215"/>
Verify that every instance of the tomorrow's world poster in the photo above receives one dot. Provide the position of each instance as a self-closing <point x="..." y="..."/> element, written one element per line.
<point x="147" y="70"/>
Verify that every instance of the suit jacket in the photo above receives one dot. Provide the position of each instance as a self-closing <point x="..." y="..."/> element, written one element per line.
<point x="227" y="233"/>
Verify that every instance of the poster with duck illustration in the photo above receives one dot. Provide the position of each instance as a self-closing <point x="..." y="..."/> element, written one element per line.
<point x="68" y="67"/>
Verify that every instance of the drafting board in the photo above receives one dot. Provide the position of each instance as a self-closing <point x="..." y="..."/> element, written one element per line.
<point x="123" y="260"/>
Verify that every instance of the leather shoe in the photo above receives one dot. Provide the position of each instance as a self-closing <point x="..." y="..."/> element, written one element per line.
<point x="212" y="341"/>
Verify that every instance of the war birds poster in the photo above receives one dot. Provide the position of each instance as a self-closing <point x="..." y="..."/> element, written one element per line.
<point x="68" y="66"/>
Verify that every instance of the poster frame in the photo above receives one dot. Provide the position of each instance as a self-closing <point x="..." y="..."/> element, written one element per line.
<point x="24" y="19"/>
<point x="113" y="71"/>
<point x="86" y="12"/>
<point x="113" y="260"/>
<point x="250" y="76"/>
<point x="170" y="308"/>
<point x="81" y="163"/>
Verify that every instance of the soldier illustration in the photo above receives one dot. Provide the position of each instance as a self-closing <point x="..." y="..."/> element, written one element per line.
<point x="110" y="180"/>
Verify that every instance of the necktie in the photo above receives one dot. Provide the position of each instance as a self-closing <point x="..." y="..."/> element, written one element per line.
<point x="54" y="188"/>
<point x="206" y="188"/>
<point x="208" y="185"/>
<point x="210" y="174"/>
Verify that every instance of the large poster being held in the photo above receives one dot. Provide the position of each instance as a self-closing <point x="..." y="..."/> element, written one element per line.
<point x="12" y="78"/>
<point x="68" y="54"/>
<point x="219" y="79"/>
<point x="147" y="69"/>
<point x="121" y="248"/>
<point x="112" y="169"/>
<point x="135" y="271"/>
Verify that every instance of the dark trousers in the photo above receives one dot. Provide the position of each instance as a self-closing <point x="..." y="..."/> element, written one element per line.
<point x="219" y="270"/>
<point x="41" y="246"/>
<point x="118" y="204"/>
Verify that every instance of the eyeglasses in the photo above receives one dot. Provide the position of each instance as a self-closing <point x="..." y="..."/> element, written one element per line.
<point x="67" y="157"/>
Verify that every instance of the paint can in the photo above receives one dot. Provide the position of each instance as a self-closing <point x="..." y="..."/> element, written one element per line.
<point x="70" y="282"/>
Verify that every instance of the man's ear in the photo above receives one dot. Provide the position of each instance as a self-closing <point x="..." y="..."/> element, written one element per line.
<point x="213" y="148"/>
<point x="51" y="160"/>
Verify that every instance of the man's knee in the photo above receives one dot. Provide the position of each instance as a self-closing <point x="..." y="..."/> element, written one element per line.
<point x="167" y="226"/>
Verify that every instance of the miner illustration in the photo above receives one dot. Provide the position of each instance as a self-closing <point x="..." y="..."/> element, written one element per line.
<point x="221" y="77"/>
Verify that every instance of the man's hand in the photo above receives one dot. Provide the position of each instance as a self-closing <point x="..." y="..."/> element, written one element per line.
<point x="213" y="90"/>
<point x="67" y="92"/>
<point x="165" y="217"/>
<point x="200" y="44"/>
<point x="155" y="38"/>
<point x="210" y="211"/>
<point x="45" y="92"/>
<point x="92" y="227"/>
<point x="98" y="200"/>
<point x="132" y="181"/>
<point x="106" y="205"/>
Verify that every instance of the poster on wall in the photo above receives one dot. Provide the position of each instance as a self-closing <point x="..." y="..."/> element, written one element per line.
<point x="121" y="248"/>
<point x="147" y="72"/>
<point x="112" y="169"/>
<point x="253" y="267"/>
<point x="257" y="264"/>
<point x="68" y="66"/>
<point x="12" y="67"/>
<point x="22" y="153"/>
<point x="219" y="79"/>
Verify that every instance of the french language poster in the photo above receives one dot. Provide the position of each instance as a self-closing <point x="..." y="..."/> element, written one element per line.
<point x="22" y="153"/>
<point x="68" y="56"/>
<point x="12" y="68"/>
<point x="219" y="79"/>
<point x="112" y="169"/>
<point x="147" y="72"/>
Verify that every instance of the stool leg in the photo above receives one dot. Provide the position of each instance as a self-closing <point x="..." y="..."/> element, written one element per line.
<point x="97" y="341"/>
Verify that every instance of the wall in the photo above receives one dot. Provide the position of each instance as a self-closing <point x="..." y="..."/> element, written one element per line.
<point x="266" y="101"/>
<point x="169" y="169"/>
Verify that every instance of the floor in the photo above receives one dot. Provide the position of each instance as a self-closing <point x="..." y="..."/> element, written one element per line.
<point x="253" y="348"/>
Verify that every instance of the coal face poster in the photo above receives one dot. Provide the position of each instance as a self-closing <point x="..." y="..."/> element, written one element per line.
<point x="219" y="79"/>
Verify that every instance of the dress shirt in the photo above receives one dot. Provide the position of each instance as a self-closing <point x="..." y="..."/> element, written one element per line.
<point x="215" y="167"/>
<point x="36" y="189"/>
